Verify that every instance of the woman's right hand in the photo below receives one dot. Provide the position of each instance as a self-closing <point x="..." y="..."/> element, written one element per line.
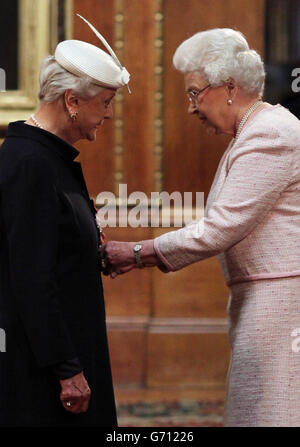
<point x="119" y="257"/>
<point x="75" y="393"/>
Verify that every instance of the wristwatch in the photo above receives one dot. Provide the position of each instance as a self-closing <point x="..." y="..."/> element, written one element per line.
<point x="137" y="248"/>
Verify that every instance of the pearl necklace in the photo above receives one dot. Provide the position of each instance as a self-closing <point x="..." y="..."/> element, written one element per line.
<point x="36" y="122"/>
<point x="245" y="117"/>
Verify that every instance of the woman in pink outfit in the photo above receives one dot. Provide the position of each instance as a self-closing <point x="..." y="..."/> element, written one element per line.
<point x="251" y="222"/>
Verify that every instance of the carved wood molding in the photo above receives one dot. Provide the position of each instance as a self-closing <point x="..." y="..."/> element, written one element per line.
<point x="119" y="99"/>
<point x="167" y="325"/>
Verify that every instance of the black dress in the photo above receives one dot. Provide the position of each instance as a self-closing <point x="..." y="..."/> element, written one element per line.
<point x="51" y="297"/>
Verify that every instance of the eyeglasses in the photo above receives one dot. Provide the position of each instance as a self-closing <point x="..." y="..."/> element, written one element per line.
<point x="193" y="94"/>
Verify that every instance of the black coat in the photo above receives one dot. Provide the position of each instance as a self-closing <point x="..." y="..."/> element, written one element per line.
<point x="51" y="296"/>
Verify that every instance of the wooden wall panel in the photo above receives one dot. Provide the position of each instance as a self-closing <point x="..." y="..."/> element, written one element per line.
<point x="139" y="34"/>
<point x="128" y="350"/>
<point x="167" y="359"/>
<point x="97" y="158"/>
<point x="197" y="291"/>
<point x="191" y="156"/>
<point x="187" y="360"/>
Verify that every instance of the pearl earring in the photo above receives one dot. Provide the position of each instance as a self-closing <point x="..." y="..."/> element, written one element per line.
<point x="229" y="102"/>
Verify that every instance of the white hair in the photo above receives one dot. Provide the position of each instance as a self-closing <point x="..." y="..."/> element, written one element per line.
<point x="55" y="80"/>
<point x="220" y="54"/>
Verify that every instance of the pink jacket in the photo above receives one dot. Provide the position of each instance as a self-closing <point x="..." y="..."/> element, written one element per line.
<point x="252" y="215"/>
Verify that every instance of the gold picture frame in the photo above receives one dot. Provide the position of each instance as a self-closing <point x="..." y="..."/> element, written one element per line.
<point x="37" y="24"/>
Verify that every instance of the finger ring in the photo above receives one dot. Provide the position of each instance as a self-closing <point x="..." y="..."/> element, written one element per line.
<point x="103" y="263"/>
<point x="68" y="404"/>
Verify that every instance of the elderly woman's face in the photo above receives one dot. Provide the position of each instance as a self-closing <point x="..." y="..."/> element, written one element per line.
<point x="93" y="112"/>
<point x="209" y="104"/>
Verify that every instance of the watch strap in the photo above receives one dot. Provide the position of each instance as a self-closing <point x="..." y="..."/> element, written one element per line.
<point x="137" y="253"/>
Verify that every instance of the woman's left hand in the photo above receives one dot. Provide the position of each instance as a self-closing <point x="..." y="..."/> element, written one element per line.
<point x="75" y="393"/>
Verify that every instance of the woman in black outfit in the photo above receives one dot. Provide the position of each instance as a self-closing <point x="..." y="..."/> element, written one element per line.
<point x="56" y="369"/>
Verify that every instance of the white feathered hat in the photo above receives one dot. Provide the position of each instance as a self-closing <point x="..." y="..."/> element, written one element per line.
<point x="84" y="59"/>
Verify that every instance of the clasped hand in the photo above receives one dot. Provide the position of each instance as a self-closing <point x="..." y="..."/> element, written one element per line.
<point x="75" y="394"/>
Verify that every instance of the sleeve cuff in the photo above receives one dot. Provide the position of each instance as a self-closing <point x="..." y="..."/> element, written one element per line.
<point x="166" y="267"/>
<point x="67" y="369"/>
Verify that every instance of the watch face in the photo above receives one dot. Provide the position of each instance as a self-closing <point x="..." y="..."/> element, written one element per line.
<point x="137" y="247"/>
